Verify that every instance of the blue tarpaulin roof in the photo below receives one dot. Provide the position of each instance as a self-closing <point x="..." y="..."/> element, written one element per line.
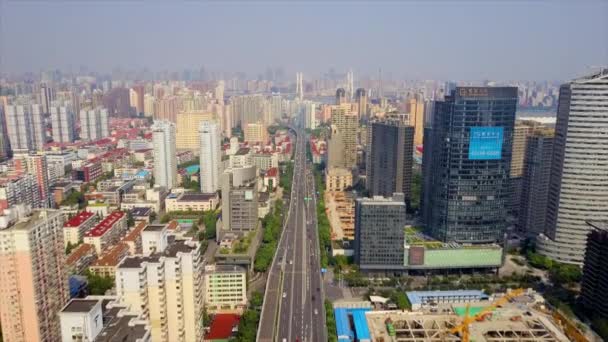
<point x="361" y="328"/>
<point x="343" y="326"/>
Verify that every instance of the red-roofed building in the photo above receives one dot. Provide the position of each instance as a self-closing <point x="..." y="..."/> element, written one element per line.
<point x="107" y="232"/>
<point x="271" y="178"/>
<point x="80" y="258"/>
<point x="222" y="327"/>
<point x="89" y="172"/>
<point x="105" y="265"/>
<point x="75" y="228"/>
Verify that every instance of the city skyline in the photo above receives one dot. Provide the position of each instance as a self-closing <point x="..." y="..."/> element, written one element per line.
<point x="399" y="38"/>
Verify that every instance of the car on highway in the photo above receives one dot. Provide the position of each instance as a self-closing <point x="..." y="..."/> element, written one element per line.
<point x="284" y="294"/>
<point x="291" y="262"/>
<point x="316" y="312"/>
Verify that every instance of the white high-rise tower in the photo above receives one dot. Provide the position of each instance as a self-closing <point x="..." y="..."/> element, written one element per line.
<point x="165" y="161"/>
<point x="299" y="88"/>
<point x="210" y="156"/>
<point x="350" y="85"/>
<point x="578" y="187"/>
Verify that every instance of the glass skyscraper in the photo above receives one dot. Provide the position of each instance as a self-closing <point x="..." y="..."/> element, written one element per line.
<point x="467" y="156"/>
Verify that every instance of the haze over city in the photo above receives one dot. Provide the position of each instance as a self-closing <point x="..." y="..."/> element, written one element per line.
<point x="472" y="40"/>
<point x="303" y="171"/>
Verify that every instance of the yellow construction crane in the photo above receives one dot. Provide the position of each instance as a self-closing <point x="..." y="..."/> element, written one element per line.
<point x="463" y="328"/>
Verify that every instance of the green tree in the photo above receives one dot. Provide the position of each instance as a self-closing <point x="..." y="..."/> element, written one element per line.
<point x="98" y="285"/>
<point x="330" y="321"/>
<point x="401" y="300"/>
<point x="257" y="299"/>
<point x="248" y="326"/>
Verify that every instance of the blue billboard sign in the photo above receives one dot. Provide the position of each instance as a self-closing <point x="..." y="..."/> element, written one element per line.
<point x="485" y="143"/>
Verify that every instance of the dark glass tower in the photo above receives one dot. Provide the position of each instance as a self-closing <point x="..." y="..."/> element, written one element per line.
<point x="467" y="163"/>
<point x="391" y="158"/>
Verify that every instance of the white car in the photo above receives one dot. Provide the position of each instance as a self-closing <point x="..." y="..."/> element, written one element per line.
<point x="316" y="312"/>
<point x="284" y="294"/>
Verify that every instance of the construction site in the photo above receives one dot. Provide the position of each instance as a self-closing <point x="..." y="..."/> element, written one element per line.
<point x="518" y="316"/>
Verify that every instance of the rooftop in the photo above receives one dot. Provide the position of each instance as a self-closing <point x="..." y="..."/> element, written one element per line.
<point x="137" y="261"/>
<point x="195" y="196"/>
<point x="179" y="246"/>
<point x="133" y="234"/>
<point x="155" y="227"/>
<point x="79" y="219"/>
<point x="119" y="329"/>
<point x="79" y="252"/>
<point x="106" y="224"/>
<point x="272" y="172"/>
<point x="141" y="211"/>
<point x="113" y="256"/>
<point x="417" y="297"/>
<point x="80" y="305"/>
<point x="242" y="151"/>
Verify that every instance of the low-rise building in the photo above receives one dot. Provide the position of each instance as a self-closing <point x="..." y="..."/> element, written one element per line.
<point x="271" y="178"/>
<point x="191" y="201"/>
<point x="80" y="258"/>
<point x="75" y="228"/>
<point x="133" y="238"/>
<point x="105" y="265"/>
<point x="225" y="289"/>
<point x="107" y="232"/>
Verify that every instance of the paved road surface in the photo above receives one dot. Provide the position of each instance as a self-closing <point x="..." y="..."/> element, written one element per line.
<point x="293" y="302"/>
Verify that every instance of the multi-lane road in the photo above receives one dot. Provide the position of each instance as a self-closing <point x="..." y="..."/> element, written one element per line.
<point x="293" y="301"/>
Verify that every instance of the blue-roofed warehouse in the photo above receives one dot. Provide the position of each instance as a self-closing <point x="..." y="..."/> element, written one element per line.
<point x="351" y="324"/>
<point x="418" y="299"/>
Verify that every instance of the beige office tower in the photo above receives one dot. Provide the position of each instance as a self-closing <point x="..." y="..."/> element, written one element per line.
<point x="227" y="120"/>
<point x="187" y="137"/>
<point x="415" y="108"/>
<point x="33" y="277"/>
<point x="343" y="141"/>
<point x="256" y="133"/>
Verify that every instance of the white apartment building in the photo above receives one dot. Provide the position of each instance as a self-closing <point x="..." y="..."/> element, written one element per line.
<point x="25" y="127"/>
<point x="166" y="288"/>
<point x="165" y="161"/>
<point x="62" y="123"/>
<point x="94" y="124"/>
<point x="210" y="156"/>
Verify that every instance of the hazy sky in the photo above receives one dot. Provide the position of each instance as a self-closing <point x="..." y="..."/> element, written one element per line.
<point x="499" y="40"/>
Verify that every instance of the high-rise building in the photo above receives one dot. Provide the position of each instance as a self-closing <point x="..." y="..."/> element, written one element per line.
<point x="466" y="165"/>
<point x="415" y="108"/>
<point x="535" y="182"/>
<point x="578" y="189"/>
<point x="187" y="126"/>
<point x="117" y="101"/>
<point x="361" y="98"/>
<point x="36" y="165"/>
<point x="299" y="86"/>
<point x="341" y="96"/>
<point x="47" y="96"/>
<point x="166" y="108"/>
<point x="62" y="123"/>
<point x="34" y="278"/>
<point x="166" y="289"/>
<point x="595" y="274"/>
<point x="210" y="156"/>
<point x="149" y="105"/>
<point x="240" y="199"/>
<point x="19" y="188"/>
<point x="94" y="124"/>
<point x="379" y="233"/>
<point x="350" y="85"/>
<point x="25" y="127"/>
<point x="391" y="158"/>
<point x="165" y="161"/>
<point x="256" y="132"/>
<point x="310" y="114"/>
<point x="343" y="140"/>
<point x="219" y="91"/>
<point x="139" y="97"/>
<point x="248" y="109"/>
<point x="3" y="136"/>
